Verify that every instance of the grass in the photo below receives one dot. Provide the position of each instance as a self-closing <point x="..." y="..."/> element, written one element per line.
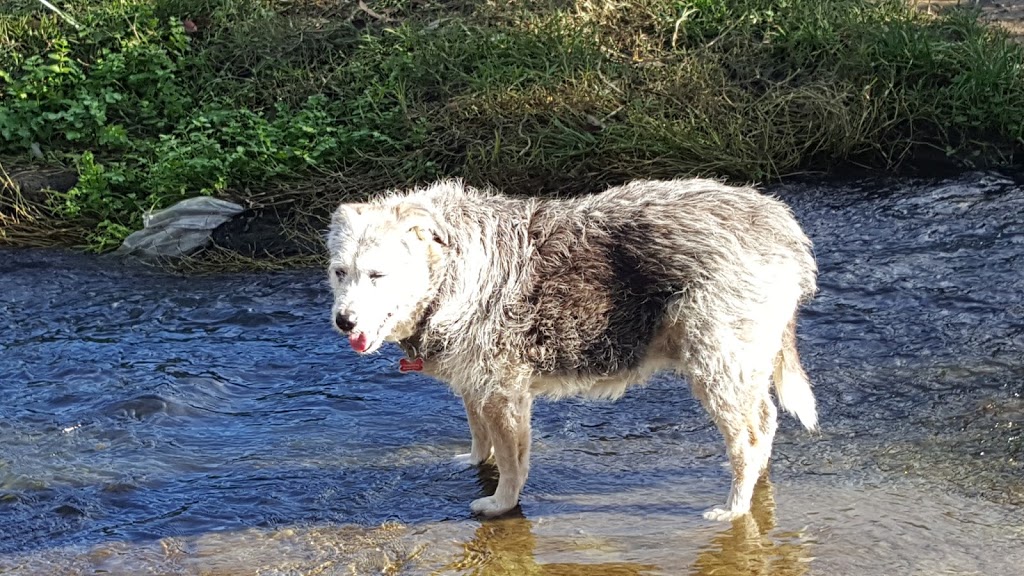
<point x="302" y="103"/>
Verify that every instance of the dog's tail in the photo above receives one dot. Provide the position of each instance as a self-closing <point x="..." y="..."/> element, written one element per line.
<point x="791" y="383"/>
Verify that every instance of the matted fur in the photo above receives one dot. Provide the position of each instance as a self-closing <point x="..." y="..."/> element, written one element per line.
<point x="507" y="299"/>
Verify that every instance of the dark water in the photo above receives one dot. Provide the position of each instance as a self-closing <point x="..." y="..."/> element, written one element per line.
<point x="216" y="425"/>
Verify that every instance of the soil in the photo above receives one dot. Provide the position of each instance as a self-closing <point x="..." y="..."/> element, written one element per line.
<point x="33" y="183"/>
<point x="1006" y="14"/>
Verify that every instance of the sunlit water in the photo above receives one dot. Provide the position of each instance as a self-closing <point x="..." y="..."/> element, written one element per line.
<point x="151" y="423"/>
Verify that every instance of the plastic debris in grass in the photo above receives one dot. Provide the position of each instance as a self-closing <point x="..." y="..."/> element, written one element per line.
<point x="179" y="230"/>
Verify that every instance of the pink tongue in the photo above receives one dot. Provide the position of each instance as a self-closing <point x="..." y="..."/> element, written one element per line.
<point x="358" y="341"/>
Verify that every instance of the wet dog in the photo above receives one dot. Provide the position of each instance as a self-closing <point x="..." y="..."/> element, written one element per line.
<point x="507" y="299"/>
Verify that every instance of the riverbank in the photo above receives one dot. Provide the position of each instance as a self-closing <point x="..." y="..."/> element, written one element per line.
<point x="290" y="107"/>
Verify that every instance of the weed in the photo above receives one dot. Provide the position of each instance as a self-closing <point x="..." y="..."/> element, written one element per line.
<point x="156" y="101"/>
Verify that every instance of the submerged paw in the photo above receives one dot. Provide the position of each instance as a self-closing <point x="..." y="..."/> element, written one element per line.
<point x="490" y="506"/>
<point x="466" y="460"/>
<point x="723" y="515"/>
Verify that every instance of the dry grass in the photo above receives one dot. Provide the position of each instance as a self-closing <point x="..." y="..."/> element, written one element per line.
<point x="293" y="106"/>
<point x="26" y="222"/>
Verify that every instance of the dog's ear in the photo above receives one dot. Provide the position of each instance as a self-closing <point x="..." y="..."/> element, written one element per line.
<point x="341" y="224"/>
<point x="421" y="221"/>
<point x="346" y="212"/>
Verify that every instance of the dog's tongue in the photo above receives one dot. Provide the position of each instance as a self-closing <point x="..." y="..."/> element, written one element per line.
<point x="358" y="341"/>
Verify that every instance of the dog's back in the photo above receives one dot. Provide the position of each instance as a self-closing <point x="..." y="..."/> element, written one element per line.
<point x="602" y="278"/>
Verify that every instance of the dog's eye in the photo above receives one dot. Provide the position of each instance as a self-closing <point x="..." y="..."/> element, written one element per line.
<point x="375" y="275"/>
<point x="339" y="274"/>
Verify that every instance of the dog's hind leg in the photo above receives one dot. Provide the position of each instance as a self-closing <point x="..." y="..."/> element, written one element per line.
<point x="742" y="409"/>
<point x="507" y="418"/>
<point x="769" y="424"/>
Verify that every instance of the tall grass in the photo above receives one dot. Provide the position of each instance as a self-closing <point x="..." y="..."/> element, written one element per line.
<point x="304" y="102"/>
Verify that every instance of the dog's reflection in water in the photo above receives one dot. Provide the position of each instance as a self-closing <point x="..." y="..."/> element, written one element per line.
<point x="746" y="549"/>
<point x="506" y="547"/>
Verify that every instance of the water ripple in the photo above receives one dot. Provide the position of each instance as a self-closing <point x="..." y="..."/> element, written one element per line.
<point x="152" y="422"/>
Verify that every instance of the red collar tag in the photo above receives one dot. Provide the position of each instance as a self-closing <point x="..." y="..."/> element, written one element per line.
<point x="405" y="365"/>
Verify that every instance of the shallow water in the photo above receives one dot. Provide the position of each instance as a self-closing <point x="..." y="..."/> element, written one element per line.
<point x="216" y="425"/>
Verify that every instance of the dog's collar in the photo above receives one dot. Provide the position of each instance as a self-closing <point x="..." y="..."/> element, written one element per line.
<point x="413" y="345"/>
<point x="413" y="362"/>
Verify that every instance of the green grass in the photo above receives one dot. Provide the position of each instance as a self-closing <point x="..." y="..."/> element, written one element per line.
<point x="303" y="103"/>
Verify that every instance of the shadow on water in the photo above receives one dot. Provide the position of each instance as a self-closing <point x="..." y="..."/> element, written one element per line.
<point x="512" y="545"/>
<point x="216" y="425"/>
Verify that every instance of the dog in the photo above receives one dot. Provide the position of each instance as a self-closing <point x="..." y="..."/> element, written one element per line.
<point x="508" y="299"/>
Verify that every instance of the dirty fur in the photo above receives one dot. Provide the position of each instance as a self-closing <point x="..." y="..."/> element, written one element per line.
<point x="508" y="299"/>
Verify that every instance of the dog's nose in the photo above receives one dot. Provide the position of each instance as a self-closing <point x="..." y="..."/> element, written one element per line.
<point x="343" y="322"/>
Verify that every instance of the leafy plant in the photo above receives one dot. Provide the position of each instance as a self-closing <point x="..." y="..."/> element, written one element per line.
<point x="156" y="101"/>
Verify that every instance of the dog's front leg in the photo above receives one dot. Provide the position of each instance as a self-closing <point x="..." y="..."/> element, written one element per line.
<point x="482" y="447"/>
<point x="507" y="419"/>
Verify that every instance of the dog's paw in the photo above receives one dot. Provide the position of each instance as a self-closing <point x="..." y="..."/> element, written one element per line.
<point x="468" y="459"/>
<point x="723" y="515"/>
<point x="490" y="506"/>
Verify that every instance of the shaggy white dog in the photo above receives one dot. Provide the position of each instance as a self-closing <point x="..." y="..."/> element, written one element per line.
<point x="506" y="299"/>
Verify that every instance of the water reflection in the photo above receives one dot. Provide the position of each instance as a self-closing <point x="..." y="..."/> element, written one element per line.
<point x="508" y="546"/>
<point x="747" y="547"/>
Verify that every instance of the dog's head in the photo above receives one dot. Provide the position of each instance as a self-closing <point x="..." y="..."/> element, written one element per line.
<point x="385" y="259"/>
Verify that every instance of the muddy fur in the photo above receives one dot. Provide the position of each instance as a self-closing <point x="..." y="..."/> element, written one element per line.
<point x="507" y="299"/>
